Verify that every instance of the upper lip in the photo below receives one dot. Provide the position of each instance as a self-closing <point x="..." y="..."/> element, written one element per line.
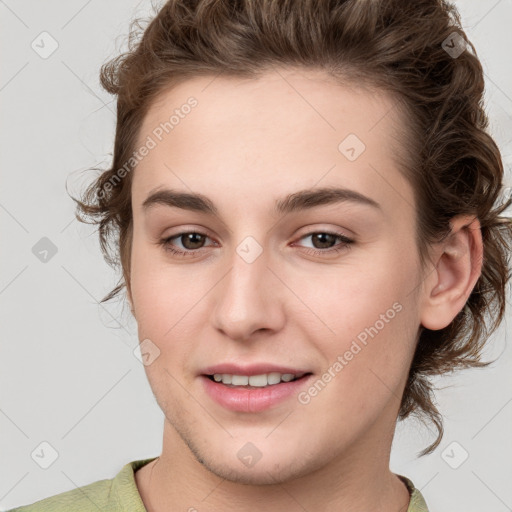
<point x="251" y="369"/>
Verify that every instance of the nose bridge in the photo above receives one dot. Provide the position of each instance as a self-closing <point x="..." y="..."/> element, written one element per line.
<point x="247" y="280"/>
<point x="246" y="301"/>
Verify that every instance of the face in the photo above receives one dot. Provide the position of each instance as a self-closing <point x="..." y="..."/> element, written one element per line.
<point x="278" y="270"/>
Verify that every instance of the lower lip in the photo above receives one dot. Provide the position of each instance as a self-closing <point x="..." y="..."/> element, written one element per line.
<point x="253" y="399"/>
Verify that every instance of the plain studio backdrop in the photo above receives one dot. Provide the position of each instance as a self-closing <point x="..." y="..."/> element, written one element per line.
<point x="71" y="384"/>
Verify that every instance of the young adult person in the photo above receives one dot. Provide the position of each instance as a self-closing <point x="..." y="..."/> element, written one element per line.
<point x="304" y="200"/>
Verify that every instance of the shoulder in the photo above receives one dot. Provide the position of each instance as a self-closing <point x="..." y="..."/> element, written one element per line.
<point x="82" y="499"/>
<point x="114" y="494"/>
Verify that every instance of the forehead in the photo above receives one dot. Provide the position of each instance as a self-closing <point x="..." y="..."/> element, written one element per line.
<point x="285" y="130"/>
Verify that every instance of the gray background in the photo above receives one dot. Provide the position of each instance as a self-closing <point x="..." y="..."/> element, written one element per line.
<point x="68" y="374"/>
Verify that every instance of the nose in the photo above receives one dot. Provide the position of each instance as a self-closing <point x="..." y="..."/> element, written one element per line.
<point x="248" y="299"/>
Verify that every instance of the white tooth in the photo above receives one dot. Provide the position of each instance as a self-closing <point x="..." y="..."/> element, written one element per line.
<point x="274" y="378"/>
<point x="239" y="380"/>
<point x="258" y="380"/>
<point x="226" y="378"/>
<point x="287" y="377"/>
<point x="217" y="377"/>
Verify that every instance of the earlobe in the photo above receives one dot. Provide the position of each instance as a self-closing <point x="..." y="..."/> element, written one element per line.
<point x="458" y="265"/>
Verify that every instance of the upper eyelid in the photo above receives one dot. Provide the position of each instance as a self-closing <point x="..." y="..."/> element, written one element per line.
<point x="205" y="231"/>
<point x="181" y="233"/>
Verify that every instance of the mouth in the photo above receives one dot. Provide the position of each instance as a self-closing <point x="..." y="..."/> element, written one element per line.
<point x="254" y="393"/>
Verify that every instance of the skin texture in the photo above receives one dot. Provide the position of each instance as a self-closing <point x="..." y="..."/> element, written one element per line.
<point x="247" y="143"/>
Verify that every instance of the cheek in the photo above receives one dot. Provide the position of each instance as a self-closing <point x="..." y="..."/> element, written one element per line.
<point x="372" y="318"/>
<point x="359" y="295"/>
<point x="156" y="288"/>
<point x="170" y="305"/>
<point x="365" y="369"/>
<point x="153" y="296"/>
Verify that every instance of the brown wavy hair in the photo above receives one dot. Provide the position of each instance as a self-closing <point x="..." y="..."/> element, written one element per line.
<point x="398" y="46"/>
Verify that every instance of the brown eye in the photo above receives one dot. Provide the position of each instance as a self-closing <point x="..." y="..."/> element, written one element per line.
<point x="325" y="240"/>
<point x="324" y="243"/>
<point x="191" y="241"/>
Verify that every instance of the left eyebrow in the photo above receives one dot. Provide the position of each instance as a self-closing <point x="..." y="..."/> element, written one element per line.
<point x="297" y="201"/>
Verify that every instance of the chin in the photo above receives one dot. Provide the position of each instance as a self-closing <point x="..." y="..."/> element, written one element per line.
<point x="262" y="473"/>
<point x="262" y="462"/>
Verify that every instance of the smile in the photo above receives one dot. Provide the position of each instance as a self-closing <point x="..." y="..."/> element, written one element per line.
<point x="255" y="393"/>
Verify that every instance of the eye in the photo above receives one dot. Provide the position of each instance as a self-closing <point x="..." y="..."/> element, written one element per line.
<point x="190" y="241"/>
<point x="193" y="241"/>
<point x="325" y="238"/>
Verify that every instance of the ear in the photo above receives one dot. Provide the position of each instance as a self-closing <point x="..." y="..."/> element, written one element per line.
<point x="458" y="265"/>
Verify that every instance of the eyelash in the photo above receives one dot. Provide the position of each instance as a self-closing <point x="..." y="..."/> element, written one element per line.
<point x="346" y="242"/>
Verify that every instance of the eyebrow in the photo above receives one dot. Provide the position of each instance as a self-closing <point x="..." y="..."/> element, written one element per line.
<point x="297" y="201"/>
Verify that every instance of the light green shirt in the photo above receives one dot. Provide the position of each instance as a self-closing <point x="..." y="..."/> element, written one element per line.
<point x="120" y="494"/>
